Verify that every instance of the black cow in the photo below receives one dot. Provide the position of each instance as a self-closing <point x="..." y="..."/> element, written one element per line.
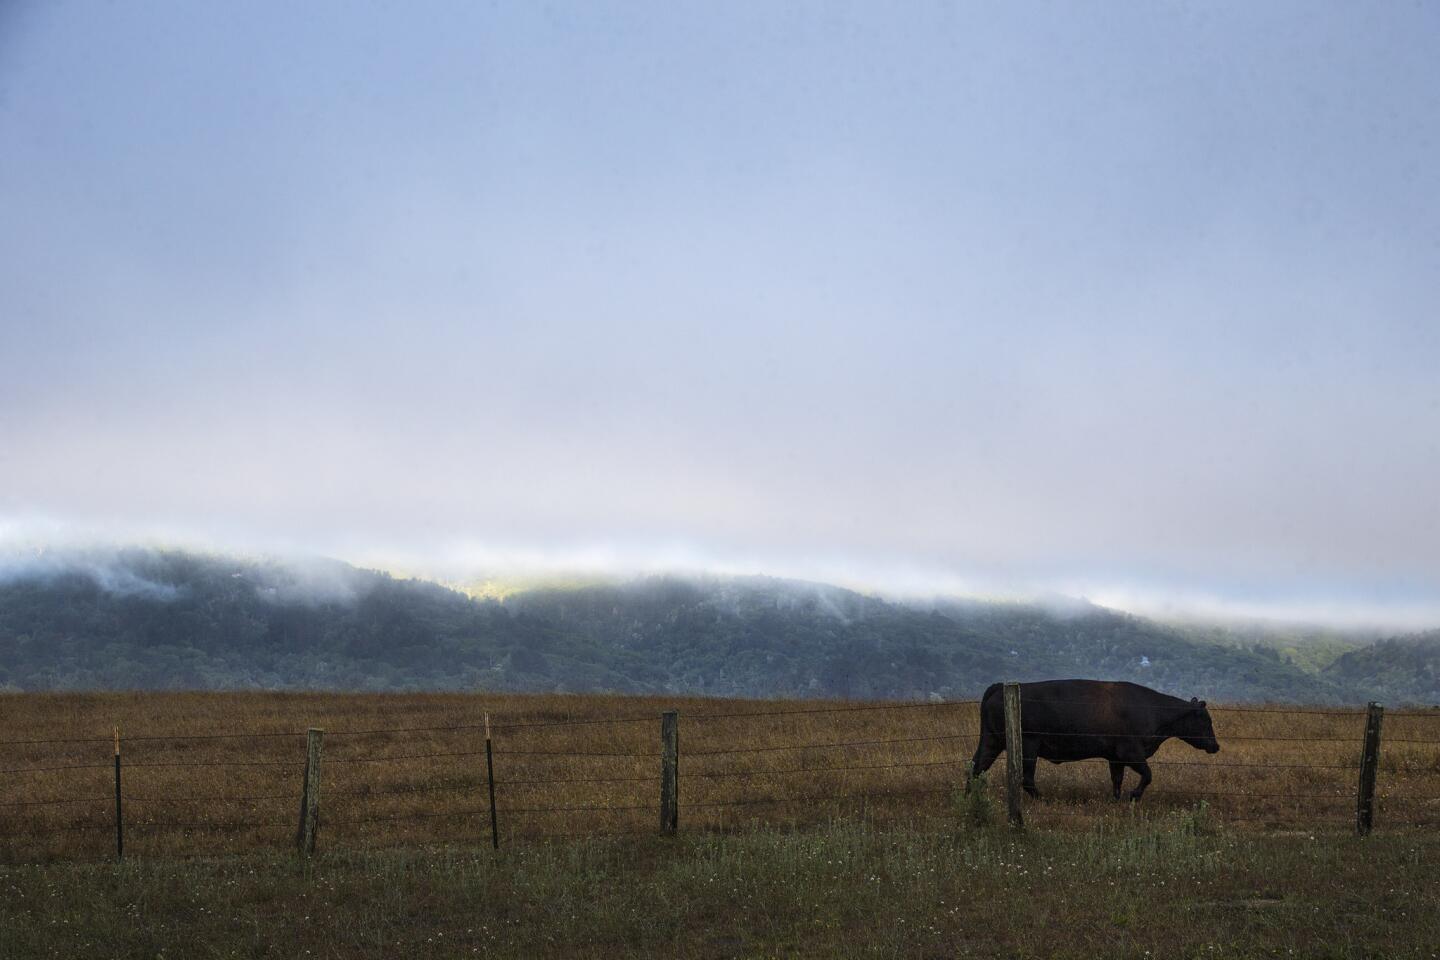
<point x="1063" y="720"/>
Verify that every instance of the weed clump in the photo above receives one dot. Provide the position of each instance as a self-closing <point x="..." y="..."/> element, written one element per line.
<point x="972" y="805"/>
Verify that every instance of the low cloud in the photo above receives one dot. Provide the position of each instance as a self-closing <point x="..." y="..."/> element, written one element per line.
<point x="284" y="572"/>
<point x="107" y="568"/>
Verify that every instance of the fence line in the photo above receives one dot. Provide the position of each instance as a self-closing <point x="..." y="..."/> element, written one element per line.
<point x="518" y="778"/>
<point x="748" y="714"/>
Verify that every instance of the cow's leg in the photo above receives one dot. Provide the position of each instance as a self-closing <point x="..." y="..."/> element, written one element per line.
<point x="1143" y="769"/>
<point x="1029" y="781"/>
<point x="1117" y="776"/>
<point x="986" y="751"/>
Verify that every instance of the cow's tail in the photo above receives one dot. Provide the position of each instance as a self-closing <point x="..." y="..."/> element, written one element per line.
<point x="994" y="690"/>
<point x="992" y="711"/>
<point x="992" y="731"/>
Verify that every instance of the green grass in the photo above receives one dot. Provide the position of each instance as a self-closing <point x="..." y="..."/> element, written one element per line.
<point x="1167" y="886"/>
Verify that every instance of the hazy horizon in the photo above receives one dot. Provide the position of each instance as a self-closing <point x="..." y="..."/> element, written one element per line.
<point x="1133" y="303"/>
<point x="500" y="575"/>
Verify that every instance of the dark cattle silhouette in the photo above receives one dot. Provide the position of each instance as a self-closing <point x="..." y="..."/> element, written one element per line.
<point x="1064" y="720"/>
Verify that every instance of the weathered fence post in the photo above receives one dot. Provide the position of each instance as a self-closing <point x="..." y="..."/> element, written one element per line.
<point x="490" y="775"/>
<point x="669" y="771"/>
<point x="310" y="794"/>
<point x="1014" y="754"/>
<point x="1369" y="764"/>
<point x="119" y="813"/>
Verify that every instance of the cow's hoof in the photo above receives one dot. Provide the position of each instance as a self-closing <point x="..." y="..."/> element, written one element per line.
<point x="1134" y="796"/>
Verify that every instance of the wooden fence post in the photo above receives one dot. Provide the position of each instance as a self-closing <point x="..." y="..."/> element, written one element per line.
<point x="310" y="794"/>
<point x="1369" y="764"/>
<point x="1014" y="754"/>
<point x="119" y="813"/>
<point x="490" y="775"/>
<point x="669" y="771"/>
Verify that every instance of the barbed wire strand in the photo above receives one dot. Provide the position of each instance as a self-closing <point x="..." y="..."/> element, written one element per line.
<point x="385" y="818"/>
<point x="588" y="808"/>
<point x="900" y="705"/>
<point x="297" y="762"/>
<point x="203" y="825"/>
<point x="648" y="755"/>
<point x="1246" y="793"/>
<point x="818" y="798"/>
<point x="155" y="737"/>
<point x="212" y="799"/>
<point x="406" y="756"/>
<point x="822" y="746"/>
<point x="1167" y="736"/>
<point x="727" y="774"/>
<point x="650" y="779"/>
<point x="58" y="828"/>
<point x="67" y="766"/>
<point x="407" y="789"/>
<point x="1182" y="705"/>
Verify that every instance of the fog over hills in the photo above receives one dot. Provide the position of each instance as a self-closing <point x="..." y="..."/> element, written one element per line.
<point x="152" y="619"/>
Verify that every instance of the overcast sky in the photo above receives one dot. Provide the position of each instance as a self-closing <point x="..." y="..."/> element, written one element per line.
<point x="1135" y="301"/>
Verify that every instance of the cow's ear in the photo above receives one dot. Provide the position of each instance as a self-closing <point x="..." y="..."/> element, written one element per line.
<point x="1196" y="700"/>
<point x="1202" y="704"/>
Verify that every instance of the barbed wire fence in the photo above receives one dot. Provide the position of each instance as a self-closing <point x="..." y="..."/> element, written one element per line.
<point x="535" y="779"/>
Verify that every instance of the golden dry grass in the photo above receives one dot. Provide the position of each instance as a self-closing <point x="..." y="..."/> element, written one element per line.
<point x="562" y="773"/>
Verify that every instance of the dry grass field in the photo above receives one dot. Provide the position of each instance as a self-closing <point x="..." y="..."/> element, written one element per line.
<point x="806" y="830"/>
<point x="221" y="773"/>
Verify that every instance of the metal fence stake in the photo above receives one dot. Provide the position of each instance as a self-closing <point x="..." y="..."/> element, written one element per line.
<point x="669" y="771"/>
<point x="490" y="775"/>
<point x="119" y="812"/>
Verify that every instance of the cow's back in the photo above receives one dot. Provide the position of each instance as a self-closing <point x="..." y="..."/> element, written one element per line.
<point x="1075" y="719"/>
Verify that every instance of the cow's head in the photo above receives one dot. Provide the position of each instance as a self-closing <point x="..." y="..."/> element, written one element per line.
<point x="1195" y="728"/>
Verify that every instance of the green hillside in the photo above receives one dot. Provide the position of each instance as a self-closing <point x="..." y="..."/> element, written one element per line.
<point x="165" y="620"/>
<point x="1402" y="669"/>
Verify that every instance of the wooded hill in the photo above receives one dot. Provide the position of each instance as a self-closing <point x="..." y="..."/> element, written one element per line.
<point x="141" y="619"/>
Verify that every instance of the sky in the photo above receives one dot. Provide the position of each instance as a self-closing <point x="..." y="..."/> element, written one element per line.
<point x="1130" y="301"/>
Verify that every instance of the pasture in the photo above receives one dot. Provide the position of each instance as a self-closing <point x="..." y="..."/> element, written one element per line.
<point x="805" y="829"/>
